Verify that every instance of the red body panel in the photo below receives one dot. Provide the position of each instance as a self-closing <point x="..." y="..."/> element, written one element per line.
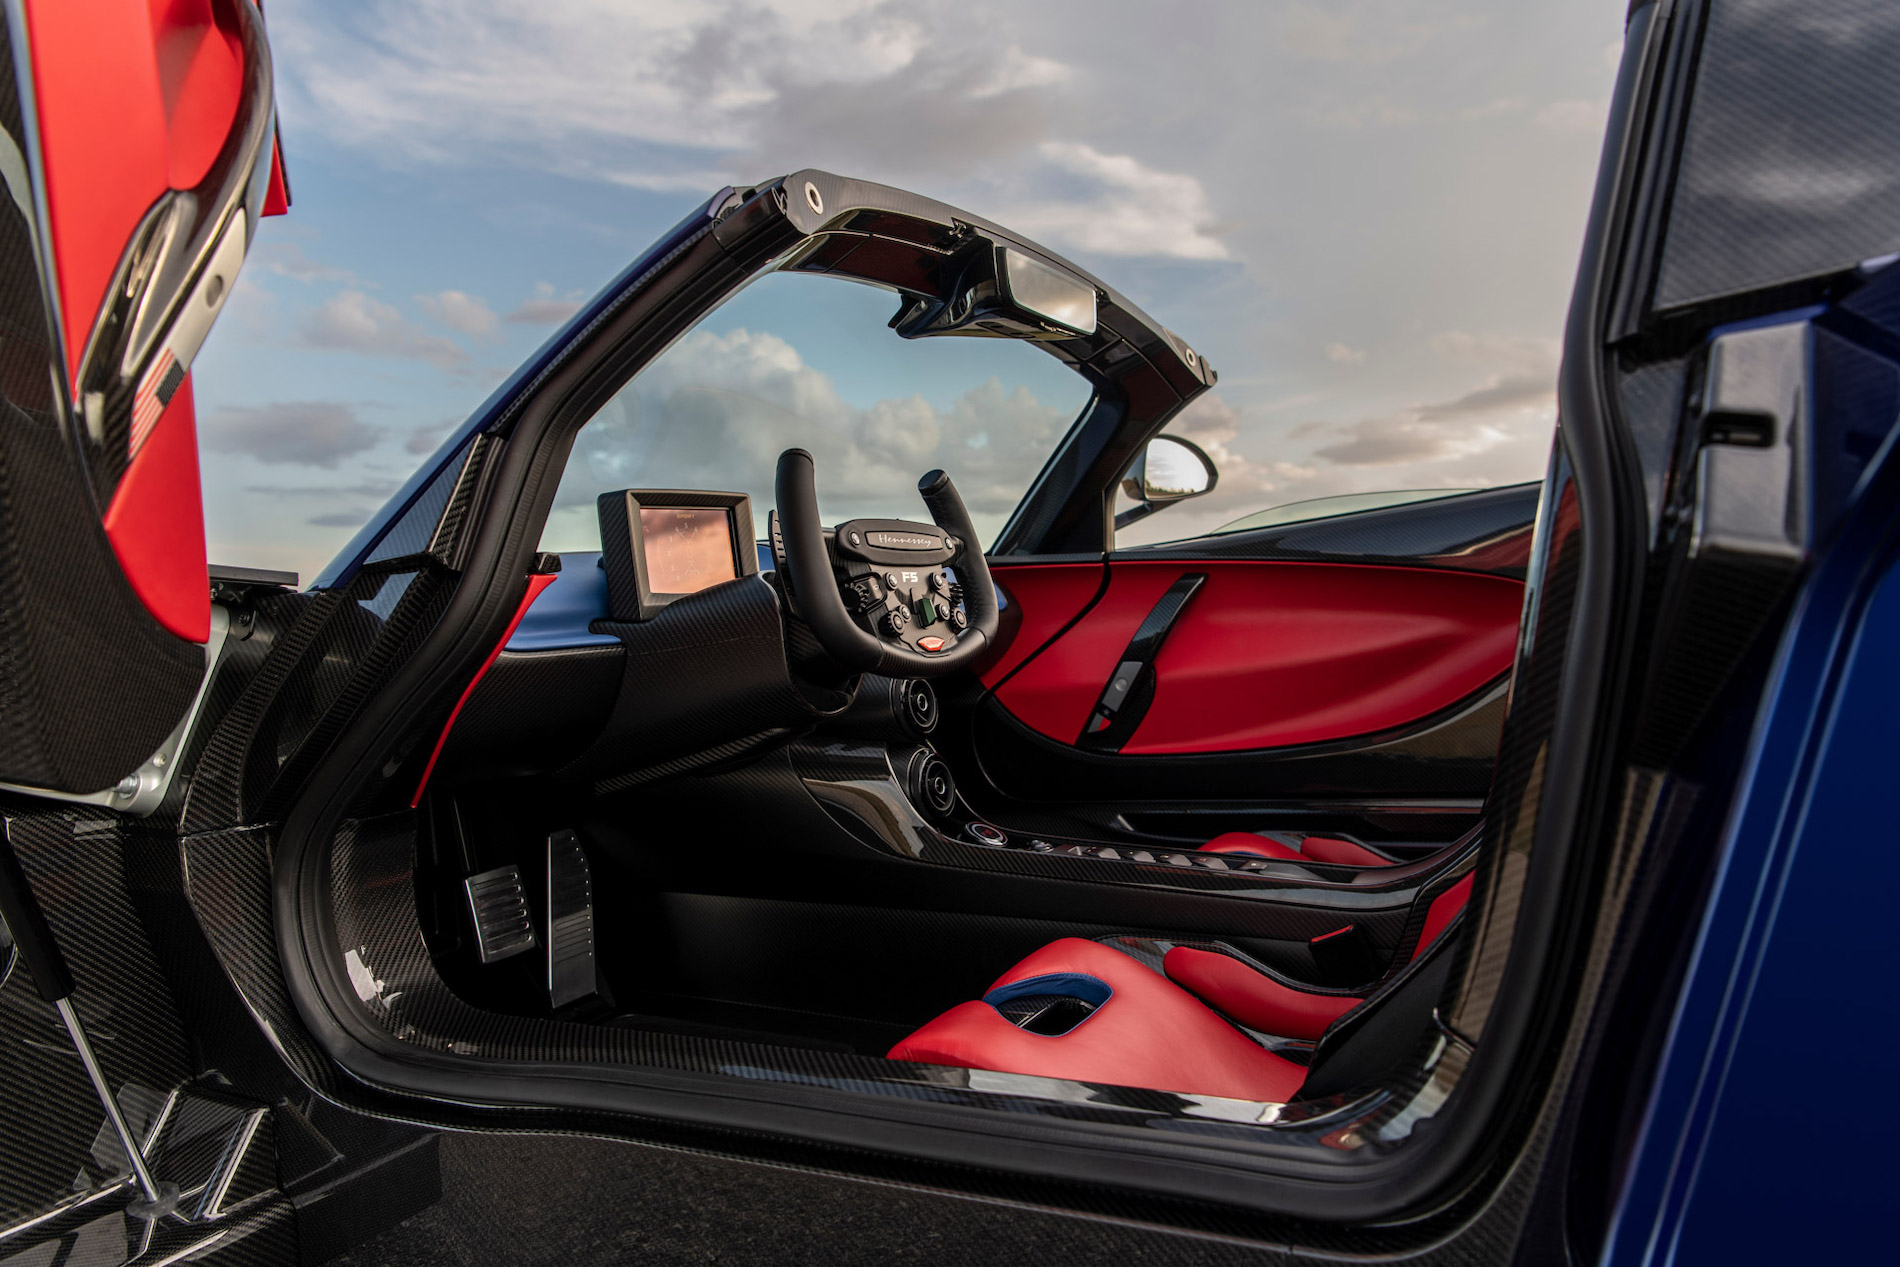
<point x="1272" y="654"/>
<point x="157" y="523"/>
<point x="1043" y="597"/>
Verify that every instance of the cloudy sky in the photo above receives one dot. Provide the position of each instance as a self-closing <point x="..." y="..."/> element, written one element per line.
<point x="1366" y="213"/>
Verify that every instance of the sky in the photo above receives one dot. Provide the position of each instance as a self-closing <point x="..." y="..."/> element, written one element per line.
<point x="1365" y="213"/>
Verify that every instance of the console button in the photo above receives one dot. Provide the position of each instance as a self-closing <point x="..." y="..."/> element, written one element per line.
<point x="985" y="834"/>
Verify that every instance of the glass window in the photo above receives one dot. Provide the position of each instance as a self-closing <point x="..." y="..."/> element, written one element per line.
<point x="803" y="361"/>
<point x="1343" y="504"/>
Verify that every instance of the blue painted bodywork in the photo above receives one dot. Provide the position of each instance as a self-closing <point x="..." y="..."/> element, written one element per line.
<point x="561" y="614"/>
<point x="1783" y="1001"/>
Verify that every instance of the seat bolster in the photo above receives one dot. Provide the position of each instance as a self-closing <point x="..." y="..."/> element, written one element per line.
<point x="1247" y="842"/>
<point x="1253" y="998"/>
<point x="1441" y="912"/>
<point x="1149" y="1033"/>
<point x="1342" y="852"/>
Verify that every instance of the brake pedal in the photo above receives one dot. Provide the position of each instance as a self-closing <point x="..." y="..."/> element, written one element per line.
<point x="498" y="904"/>
<point x="571" y="973"/>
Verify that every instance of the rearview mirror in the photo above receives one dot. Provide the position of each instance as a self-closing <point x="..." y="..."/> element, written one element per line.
<point x="1168" y="470"/>
<point x="1049" y="293"/>
<point x="1004" y="293"/>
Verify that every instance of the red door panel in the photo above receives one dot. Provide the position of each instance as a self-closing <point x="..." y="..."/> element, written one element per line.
<point x="1271" y="654"/>
<point x="1043" y="597"/>
<point x="1054" y="692"/>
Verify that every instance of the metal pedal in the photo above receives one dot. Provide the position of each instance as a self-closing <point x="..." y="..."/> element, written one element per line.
<point x="570" y="921"/>
<point x="499" y="906"/>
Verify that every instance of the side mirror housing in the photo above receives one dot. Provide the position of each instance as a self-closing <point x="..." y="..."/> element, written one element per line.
<point x="1169" y="469"/>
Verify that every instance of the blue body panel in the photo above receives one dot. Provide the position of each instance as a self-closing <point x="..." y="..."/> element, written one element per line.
<point x="560" y="616"/>
<point x="1783" y="1003"/>
<point x="562" y="612"/>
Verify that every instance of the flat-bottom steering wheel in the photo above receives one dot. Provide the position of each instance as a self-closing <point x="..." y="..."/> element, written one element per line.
<point x="877" y="595"/>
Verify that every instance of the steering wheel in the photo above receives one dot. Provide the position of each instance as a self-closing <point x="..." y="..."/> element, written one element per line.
<point x="875" y="593"/>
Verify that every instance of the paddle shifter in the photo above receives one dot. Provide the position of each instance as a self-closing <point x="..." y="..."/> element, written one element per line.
<point x="880" y="594"/>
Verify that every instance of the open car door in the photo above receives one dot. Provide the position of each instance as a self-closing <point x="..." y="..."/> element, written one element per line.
<point x="137" y="153"/>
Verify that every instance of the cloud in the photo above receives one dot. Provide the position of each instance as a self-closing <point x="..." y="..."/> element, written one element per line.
<point x="1584" y="117"/>
<point x="686" y="98"/>
<point x="1494" y="108"/>
<point x="1340" y="354"/>
<point x="461" y="312"/>
<point x="1328" y="34"/>
<point x="716" y="410"/>
<point x="299" y="433"/>
<point x="1516" y="400"/>
<point x="544" y="308"/>
<point x="426" y="439"/>
<point x="287" y="259"/>
<point x="379" y="489"/>
<point x="352" y="321"/>
<point x="942" y="113"/>
<point x="1126" y="208"/>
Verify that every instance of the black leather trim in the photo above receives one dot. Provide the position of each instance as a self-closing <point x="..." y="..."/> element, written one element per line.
<point x="1131" y="686"/>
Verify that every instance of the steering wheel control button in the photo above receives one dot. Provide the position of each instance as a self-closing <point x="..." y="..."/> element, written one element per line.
<point x="939" y="583"/>
<point x="855" y="537"/>
<point x="890" y="579"/>
<point x="957" y="621"/>
<point x="895" y="621"/>
<point x="930" y="644"/>
<point x="984" y="834"/>
<point x="927" y="611"/>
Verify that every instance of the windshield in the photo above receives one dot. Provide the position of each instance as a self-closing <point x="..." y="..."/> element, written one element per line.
<point x="797" y="360"/>
<point x="1344" y="504"/>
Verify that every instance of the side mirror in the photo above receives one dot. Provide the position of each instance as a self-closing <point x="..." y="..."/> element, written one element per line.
<point x="1168" y="470"/>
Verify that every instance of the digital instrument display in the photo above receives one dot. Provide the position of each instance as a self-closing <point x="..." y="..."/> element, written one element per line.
<point x="688" y="548"/>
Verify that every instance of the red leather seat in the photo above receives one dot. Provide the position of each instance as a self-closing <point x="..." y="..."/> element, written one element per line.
<point x="1170" y="1030"/>
<point x="1144" y="1033"/>
<point x="1260" y="1000"/>
<point x="1311" y="849"/>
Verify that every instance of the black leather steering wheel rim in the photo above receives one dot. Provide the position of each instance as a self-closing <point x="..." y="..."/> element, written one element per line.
<point x="815" y="588"/>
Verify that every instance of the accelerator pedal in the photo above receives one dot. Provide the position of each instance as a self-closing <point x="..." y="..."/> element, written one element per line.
<point x="571" y="963"/>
